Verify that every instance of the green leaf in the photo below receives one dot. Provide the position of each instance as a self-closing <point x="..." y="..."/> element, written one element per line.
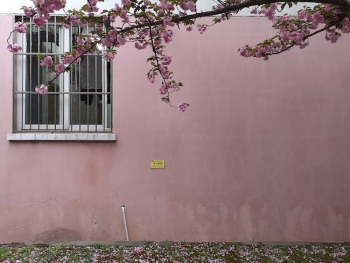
<point x="83" y="7"/>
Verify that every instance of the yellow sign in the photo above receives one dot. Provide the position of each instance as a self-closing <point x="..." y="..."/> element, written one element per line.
<point x="157" y="164"/>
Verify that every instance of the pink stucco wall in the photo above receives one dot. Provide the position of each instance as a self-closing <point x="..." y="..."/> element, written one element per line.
<point x="263" y="152"/>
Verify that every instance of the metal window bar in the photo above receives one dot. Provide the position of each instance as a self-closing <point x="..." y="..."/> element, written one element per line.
<point x="38" y="120"/>
<point x="30" y="77"/>
<point x="79" y="102"/>
<point x="22" y="86"/>
<point x="63" y="86"/>
<point x="65" y="101"/>
<point x="94" y="28"/>
<point x="55" y="95"/>
<point x="46" y="78"/>
<point x="71" y="84"/>
<point x="87" y="97"/>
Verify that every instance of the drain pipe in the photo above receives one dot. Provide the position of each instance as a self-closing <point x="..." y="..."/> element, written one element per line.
<point x="126" y="227"/>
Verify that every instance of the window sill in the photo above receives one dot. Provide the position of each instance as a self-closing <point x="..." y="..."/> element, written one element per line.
<point x="61" y="137"/>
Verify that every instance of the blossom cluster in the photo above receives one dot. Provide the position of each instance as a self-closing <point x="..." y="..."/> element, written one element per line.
<point x="296" y="31"/>
<point x="153" y="36"/>
<point x="43" y="9"/>
<point x="47" y="61"/>
<point x="13" y="47"/>
<point x="41" y="89"/>
<point x="20" y="27"/>
<point x="71" y="20"/>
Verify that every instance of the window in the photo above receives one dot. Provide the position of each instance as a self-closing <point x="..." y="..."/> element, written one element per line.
<point x="79" y="101"/>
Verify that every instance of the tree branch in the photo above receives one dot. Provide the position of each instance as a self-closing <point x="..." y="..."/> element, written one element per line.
<point x="308" y="36"/>
<point x="236" y="7"/>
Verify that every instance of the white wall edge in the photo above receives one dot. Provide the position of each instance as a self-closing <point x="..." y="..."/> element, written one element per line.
<point x="61" y="137"/>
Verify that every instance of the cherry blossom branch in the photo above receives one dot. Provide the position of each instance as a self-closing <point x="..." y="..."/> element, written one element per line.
<point x="149" y="23"/>
<point x="235" y="7"/>
<point x="308" y="36"/>
<point x="76" y="60"/>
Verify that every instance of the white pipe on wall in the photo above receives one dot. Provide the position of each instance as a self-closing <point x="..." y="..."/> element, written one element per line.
<point x="125" y="225"/>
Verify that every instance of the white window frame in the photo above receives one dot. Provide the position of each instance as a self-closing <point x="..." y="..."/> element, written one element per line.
<point x="64" y="98"/>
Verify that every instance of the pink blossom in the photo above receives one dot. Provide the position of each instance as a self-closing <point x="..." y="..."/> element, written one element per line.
<point x="318" y="17"/>
<point x="67" y="59"/>
<point x="137" y="249"/>
<point x="113" y="33"/>
<point x="126" y="20"/>
<point x="345" y="21"/>
<point x="331" y="35"/>
<point x="328" y="7"/>
<point x="163" y="90"/>
<point x="66" y="25"/>
<point x="121" y="40"/>
<point x="39" y="21"/>
<point x="12" y="47"/>
<point x="29" y="11"/>
<point x="81" y="24"/>
<point x="158" y="42"/>
<point x="292" y="27"/>
<point x="108" y="56"/>
<point x="303" y="45"/>
<point x="116" y="7"/>
<point x="20" y="27"/>
<point x="107" y="41"/>
<point x="166" y="100"/>
<point x="139" y="47"/>
<point x="91" y="7"/>
<point x="167" y="60"/>
<point x="301" y="14"/>
<point x="167" y="21"/>
<point x="60" y="68"/>
<point x="41" y="89"/>
<point x="32" y="254"/>
<point x="47" y="61"/>
<point x="167" y="39"/>
<point x="126" y="2"/>
<point x="182" y="107"/>
<point x="123" y="14"/>
<point x="202" y="29"/>
<point x="191" y="6"/>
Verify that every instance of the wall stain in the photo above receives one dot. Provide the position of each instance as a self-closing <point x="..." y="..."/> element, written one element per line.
<point x="59" y="235"/>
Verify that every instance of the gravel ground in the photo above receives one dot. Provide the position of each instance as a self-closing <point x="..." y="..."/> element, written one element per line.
<point x="178" y="252"/>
